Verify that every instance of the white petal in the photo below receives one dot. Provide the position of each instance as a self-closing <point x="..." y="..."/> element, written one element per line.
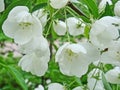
<point x="57" y="4"/>
<point x="77" y="48"/>
<point x="17" y="10"/>
<point x="79" y="66"/>
<point x="117" y="9"/>
<point x="113" y="75"/>
<point x="92" y="52"/>
<point x="22" y="37"/>
<point x="59" y="27"/>
<point x="2" y="5"/>
<point x="9" y="28"/>
<point x="36" y="65"/>
<point x="55" y="86"/>
<point x="59" y="52"/>
<point x="75" y="26"/>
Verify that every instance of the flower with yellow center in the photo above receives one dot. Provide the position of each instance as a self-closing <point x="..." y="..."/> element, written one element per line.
<point x="73" y="59"/>
<point x="21" y="25"/>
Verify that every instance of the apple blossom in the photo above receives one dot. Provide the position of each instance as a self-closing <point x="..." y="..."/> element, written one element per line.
<point x="105" y="26"/>
<point x="35" y="64"/>
<point x="117" y="9"/>
<point x="59" y="27"/>
<point x="103" y="4"/>
<point x="56" y="86"/>
<point x="113" y="75"/>
<point x="75" y="26"/>
<point x="21" y="25"/>
<point x="94" y="80"/>
<point x="2" y="5"/>
<point x="73" y="57"/>
<point x="37" y="56"/>
<point x="42" y="16"/>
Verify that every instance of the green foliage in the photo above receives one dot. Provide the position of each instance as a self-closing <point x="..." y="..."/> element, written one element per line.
<point x="38" y="6"/>
<point x="17" y="75"/>
<point x="91" y="4"/>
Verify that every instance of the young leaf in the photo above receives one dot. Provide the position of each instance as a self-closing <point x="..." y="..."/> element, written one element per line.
<point x="17" y="75"/>
<point x="105" y="83"/>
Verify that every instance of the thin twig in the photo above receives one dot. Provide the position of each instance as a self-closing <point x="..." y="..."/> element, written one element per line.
<point x="75" y="9"/>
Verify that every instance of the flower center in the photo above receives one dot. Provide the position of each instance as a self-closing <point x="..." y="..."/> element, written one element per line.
<point x="25" y="25"/>
<point x="70" y="54"/>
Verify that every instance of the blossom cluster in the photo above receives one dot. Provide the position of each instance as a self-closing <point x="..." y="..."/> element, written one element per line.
<point x="26" y="30"/>
<point x="103" y="45"/>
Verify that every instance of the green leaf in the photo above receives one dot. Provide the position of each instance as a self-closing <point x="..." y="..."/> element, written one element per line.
<point x="105" y="83"/>
<point x="92" y="7"/>
<point x="17" y="75"/>
<point x="39" y="6"/>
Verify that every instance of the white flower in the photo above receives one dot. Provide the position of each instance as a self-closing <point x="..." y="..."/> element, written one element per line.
<point x="104" y="31"/>
<point x="55" y="86"/>
<point x="40" y="87"/>
<point x="59" y="27"/>
<point x="94" y="80"/>
<point x="103" y="4"/>
<point x="75" y="26"/>
<point x="73" y="59"/>
<point x="2" y="5"/>
<point x="117" y="9"/>
<point x="42" y="16"/>
<point x="57" y="4"/>
<point x="112" y="56"/>
<point x="78" y="88"/>
<point x="113" y="75"/>
<point x="21" y="25"/>
<point x="37" y="56"/>
<point x="35" y="64"/>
